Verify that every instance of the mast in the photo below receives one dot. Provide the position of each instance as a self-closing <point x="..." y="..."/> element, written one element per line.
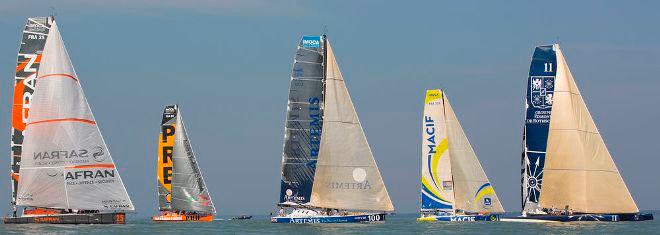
<point x="28" y="60"/>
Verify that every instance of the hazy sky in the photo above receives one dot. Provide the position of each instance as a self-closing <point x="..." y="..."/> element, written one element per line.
<point x="228" y="64"/>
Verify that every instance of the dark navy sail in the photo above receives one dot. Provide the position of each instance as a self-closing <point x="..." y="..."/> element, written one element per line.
<point x="540" y="89"/>
<point x="303" y="122"/>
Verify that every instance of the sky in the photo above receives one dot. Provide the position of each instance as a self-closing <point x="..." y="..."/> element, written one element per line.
<point x="227" y="63"/>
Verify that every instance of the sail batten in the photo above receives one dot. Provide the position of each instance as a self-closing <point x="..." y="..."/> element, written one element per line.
<point x="67" y="163"/>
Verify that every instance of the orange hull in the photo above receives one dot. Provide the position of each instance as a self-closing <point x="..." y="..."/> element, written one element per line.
<point x="174" y="217"/>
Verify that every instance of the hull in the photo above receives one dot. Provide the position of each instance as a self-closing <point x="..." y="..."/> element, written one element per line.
<point x="173" y="217"/>
<point x="460" y="218"/>
<point x="97" y="218"/>
<point x="377" y="217"/>
<point x="582" y="217"/>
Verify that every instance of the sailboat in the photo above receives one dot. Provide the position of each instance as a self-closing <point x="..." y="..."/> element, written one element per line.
<point x="567" y="172"/>
<point x="67" y="175"/>
<point x="454" y="186"/>
<point x="329" y="174"/>
<point x="182" y="193"/>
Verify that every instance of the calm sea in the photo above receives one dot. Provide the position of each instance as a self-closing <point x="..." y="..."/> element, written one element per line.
<point x="398" y="224"/>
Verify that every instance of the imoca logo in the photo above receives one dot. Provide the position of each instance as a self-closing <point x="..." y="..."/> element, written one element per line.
<point x="311" y="42"/>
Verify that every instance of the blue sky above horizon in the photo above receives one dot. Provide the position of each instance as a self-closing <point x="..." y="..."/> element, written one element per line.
<point x="228" y="64"/>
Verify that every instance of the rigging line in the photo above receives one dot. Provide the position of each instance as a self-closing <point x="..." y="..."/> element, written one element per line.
<point x="571" y="129"/>
<point x="307" y="62"/>
<point x="33" y="21"/>
<point x="42" y="34"/>
<point x="310" y="50"/>
<point x="306" y="79"/>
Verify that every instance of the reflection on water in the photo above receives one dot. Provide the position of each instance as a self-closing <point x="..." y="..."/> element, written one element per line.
<point x="399" y="224"/>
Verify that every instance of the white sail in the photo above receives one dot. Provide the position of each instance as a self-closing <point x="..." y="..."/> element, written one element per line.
<point x="66" y="163"/>
<point x="579" y="171"/>
<point x="346" y="173"/>
<point x="473" y="191"/>
<point x="437" y="185"/>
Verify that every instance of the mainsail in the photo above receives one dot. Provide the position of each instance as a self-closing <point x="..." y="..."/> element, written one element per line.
<point x="452" y="177"/>
<point x="189" y="192"/>
<point x="540" y="90"/>
<point x="346" y="173"/>
<point x="29" y="57"/>
<point x="437" y="184"/>
<point x="165" y="152"/>
<point x="302" y="134"/>
<point x="579" y="171"/>
<point x="67" y="163"/>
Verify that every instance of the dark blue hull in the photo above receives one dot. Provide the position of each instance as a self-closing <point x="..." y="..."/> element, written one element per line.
<point x="331" y="219"/>
<point x="582" y="217"/>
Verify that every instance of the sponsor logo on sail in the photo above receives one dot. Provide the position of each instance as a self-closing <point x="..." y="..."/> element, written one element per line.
<point x="315" y="127"/>
<point x="98" y="154"/>
<point x="360" y="178"/>
<point x="542" y="91"/>
<point x="311" y="41"/>
<point x="90" y="174"/>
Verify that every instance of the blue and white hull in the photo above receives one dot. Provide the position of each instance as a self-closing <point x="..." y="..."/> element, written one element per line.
<point x="460" y="218"/>
<point x="320" y="219"/>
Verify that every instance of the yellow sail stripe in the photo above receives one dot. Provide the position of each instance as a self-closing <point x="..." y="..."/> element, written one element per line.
<point x="435" y="193"/>
<point x="483" y="192"/>
<point x="439" y="151"/>
<point x="432" y="95"/>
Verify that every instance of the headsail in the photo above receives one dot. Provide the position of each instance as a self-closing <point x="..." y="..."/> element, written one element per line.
<point x="29" y="57"/>
<point x="67" y="163"/>
<point x="473" y="191"/>
<point x="189" y="192"/>
<point x="540" y="90"/>
<point x="579" y="171"/>
<point x="165" y="152"/>
<point x="346" y="173"/>
<point x="302" y="134"/>
<point x="437" y="184"/>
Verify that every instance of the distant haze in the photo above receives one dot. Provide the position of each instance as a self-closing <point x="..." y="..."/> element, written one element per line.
<point x="228" y="65"/>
